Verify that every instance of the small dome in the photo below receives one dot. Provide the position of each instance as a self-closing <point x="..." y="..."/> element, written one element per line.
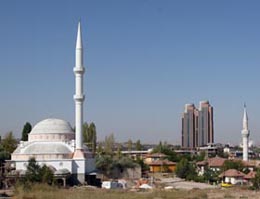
<point x="52" y="126"/>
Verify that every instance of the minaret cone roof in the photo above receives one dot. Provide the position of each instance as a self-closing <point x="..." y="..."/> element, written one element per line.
<point x="79" y="40"/>
<point x="245" y="119"/>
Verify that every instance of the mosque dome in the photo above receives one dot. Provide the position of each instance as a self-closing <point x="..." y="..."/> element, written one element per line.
<point x="52" y="126"/>
<point x="52" y="130"/>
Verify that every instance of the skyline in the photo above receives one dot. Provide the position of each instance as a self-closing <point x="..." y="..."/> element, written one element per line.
<point x="144" y="61"/>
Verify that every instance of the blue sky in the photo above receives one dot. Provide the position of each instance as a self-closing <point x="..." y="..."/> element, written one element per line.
<point x="144" y="60"/>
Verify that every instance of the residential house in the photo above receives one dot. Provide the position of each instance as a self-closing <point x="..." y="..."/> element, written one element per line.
<point x="232" y="176"/>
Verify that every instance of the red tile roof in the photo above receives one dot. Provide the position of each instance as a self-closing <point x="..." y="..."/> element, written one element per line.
<point x="232" y="173"/>
<point x="216" y="162"/>
<point x="212" y="162"/>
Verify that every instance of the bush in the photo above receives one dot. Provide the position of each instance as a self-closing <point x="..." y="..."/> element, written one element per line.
<point x="37" y="174"/>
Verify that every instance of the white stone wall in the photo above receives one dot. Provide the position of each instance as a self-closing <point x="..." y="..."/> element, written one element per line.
<point x="57" y="164"/>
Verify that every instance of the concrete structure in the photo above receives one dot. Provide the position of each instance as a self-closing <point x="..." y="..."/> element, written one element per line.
<point x="245" y="135"/>
<point x="197" y="125"/>
<point x="52" y="141"/>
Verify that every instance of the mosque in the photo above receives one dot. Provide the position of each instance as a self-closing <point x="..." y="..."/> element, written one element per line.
<point x="53" y="142"/>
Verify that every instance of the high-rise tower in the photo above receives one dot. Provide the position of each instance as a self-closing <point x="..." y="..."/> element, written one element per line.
<point x="206" y="125"/>
<point x="197" y="125"/>
<point x="189" y="126"/>
<point x="245" y="135"/>
<point x="79" y="96"/>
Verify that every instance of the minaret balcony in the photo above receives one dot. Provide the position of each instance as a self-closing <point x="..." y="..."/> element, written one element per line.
<point x="79" y="98"/>
<point x="79" y="70"/>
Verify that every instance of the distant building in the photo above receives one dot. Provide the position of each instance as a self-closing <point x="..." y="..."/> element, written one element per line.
<point x="197" y="125"/>
<point x="232" y="176"/>
<point x="190" y="126"/>
<point x="205" y="121"/>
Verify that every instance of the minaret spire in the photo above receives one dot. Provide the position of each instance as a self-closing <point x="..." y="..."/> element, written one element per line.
<point x="245" y="118"/>
<point x="79" y="96"/>
<point x="79" y="40"/>
<point x="245" y="135"/>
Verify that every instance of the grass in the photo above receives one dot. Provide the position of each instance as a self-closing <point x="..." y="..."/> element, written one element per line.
<point x="40" y="191"/>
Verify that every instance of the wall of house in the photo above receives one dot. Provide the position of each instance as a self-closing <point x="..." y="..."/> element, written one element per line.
<point x="163" y="168"/>
<point x="234" y="180"/>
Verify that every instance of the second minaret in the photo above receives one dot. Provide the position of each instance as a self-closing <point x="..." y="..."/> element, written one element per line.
<point x="245" y="134"/>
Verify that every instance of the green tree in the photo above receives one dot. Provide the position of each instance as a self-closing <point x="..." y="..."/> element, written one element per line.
<point x="9" y="143"/>
<point x="104" y="163"/>
<point x="26" y="130"/>
<point x="256" y="180"/>
<point x="129" y="145"/>
<point x="123" y="162"/>
<point x="107" y="163"/>
<point x="201" y="156"/>
<point x="138" y="145"/>
<point x="99" y="148"/>
<point x="211" y="176"/>
<point x="36" y="173"/>
<point x="90" y="136"/>
<point x="185" y="169"/>
<point x="109" y="144"/>
<point x="230" y="164"/>
<point x="85" y="132"/>
<point x="46" y="175"/>
<point x="182" y="168"/>
<point x="33" y="172"/>
<point x="165" y="149"/>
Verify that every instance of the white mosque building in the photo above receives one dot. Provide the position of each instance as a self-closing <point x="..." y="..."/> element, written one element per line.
<point x="53" y="142"/>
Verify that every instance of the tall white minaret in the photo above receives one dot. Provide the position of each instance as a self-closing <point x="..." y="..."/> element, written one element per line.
<point x="245" y="134"/>
<point x="79" y="96"/>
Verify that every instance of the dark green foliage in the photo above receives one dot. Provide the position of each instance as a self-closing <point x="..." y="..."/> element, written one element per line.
<point x="9" y="143"/>
<point x="4" y="156"/>
<point x="26" y="130"/>
<point x="165" y="149"/>
<point x="230" y="164"/>
<point x="256" y="180"/>
<point x="107" y="163"/>
<point x="33" y="171"/>
<point x="92" y="136"/>
<point x="201" y="156"/>
<point x="185" y="169"/>
<point x="182" y="168"/>
<point x="104" y="163"/>
<point x="46" y="174"/>
<point x="36" y="173"/>
<point x="85" y="132"/>
<point x="211" y="176"/>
